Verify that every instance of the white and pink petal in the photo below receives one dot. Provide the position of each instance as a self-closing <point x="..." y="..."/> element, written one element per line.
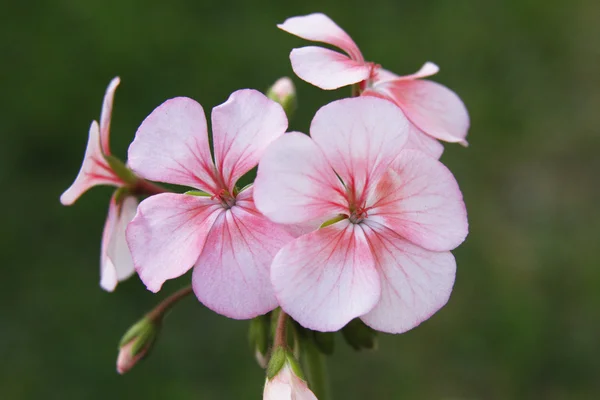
<point x="295" y="184"/>
<point x="431" y="107"/>
<point x="94" y="170"/>
<point x="168" y="234"/>
<point x="171" y="146"/>
<point x="106" y="114"/>
<point x="326" y="278"/>
<point x="360" y="137"/>
<point x="420" y="200"/>
<point x="327" y="69"/>
<point x="231" y="276"/>
<point x="415" y="283"/>
<point x="242" y="128"/>
<point x="319" y="27"/>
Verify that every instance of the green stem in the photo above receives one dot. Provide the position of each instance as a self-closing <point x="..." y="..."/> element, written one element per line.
<point x="315" y="369"/>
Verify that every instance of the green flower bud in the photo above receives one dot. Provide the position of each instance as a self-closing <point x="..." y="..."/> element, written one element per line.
<point x="136" y="344"/>
<point x="284" y="93"/>
<point x="359" y="336"/>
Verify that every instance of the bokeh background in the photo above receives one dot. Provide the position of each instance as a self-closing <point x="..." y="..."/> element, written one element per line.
<point x="523" y="321"/>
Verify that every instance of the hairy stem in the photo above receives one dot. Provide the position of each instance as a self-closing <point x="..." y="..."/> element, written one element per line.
<point x="280" y="332"/>
<point x="159" y="311"/>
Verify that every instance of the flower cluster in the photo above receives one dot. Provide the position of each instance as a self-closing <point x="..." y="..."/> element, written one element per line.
<point x="355" y="220"/>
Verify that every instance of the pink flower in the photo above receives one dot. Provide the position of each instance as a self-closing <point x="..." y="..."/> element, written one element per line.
<point x="220" y="232"/>
<point x="115" y="261"/>
<point x="286" y="385"/>
<point x="435" y="111"/>
<point x="393" y="215"/>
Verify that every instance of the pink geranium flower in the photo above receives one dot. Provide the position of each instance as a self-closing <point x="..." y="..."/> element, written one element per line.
<point x="393" y="215"/>
<point x="286" y="385"/>
<point x="218" y="231"/>
<point x="435" y="111"/>
<point x="115" y="261"/>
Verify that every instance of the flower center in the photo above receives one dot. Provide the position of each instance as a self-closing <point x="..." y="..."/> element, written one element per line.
<point x="358" y="215"/>
<point x="226" y="199"/>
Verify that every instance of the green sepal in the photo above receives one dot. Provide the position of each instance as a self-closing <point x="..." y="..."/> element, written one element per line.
<point x="325" y="341"/>
<point x="276" y="362"/>
<point x="142" y="334"/>
<point x="360" y="336"/>
<point x="258" y="334"/>
<point x="295" y="365"/>
<point x="120" y="195"/>
<point x="338" y="218"/>
<point x="197" y="193"/>
<point x="121" y="170"/>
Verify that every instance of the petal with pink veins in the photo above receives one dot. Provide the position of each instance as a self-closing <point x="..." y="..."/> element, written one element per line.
<point x="326" y="68"/>
<point x="320" y="28"/>
<point x="415" y="283"/>
<point x="231" y="277"/>
<point x="433" y="108"/>
<point x="420" y="200"/>
<point x="171" y="146"/>
<point x="105" y="116"/>
<point x="94" y="170"/>
<point x="295" y="184"/>
<point x="168" y="234"/>
<point x="360" y="138"/>
<point x="326" y="278"/>
<point x="242" y="128"/>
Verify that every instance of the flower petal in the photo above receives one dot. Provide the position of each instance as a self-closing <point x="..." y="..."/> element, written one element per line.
<point x="326" y="68"/>
<point x="286" y="385"/>
<point x="231" y="277"/>
<point x="171" y="146"/>
<point x="326" y="278"/>
<point x="94" y="170"/>
<point x="426" y="70"/>
<point x="295" y="184"/>
<point x="360" y="137"/>
<point x="417" y="139"/>
<point x="105" y="116"/>
<point x="168" y="234"/>
<point x="415" y="283"/>
<point x="420" y="200"/>
<point x="242" y="128"/>
<point x="118" y="251"/>
<point x="433" y="108"/>
<point x="320" y="28"/>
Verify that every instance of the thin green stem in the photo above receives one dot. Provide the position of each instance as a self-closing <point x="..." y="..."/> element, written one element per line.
<point x="280" y="339"/>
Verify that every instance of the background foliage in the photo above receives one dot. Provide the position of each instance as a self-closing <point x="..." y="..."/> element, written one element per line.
<point x="523" y="320"/>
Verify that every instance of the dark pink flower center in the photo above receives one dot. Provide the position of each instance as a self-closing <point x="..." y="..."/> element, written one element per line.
<point x="225" y="198"/>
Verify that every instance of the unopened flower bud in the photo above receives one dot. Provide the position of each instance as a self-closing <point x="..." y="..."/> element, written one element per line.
<point x="283" y="92"/>
<point x="284" y="378"/>
<point x="360" y="336"/>
<point x="136" y="343"/>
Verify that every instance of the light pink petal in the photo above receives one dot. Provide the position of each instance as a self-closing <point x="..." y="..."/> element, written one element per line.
<point x="171" y="146"/>
<point x="360" y="137"/>
<point x="168" y="234"/>
<point x="428" y="69"/>
<point x="326" y="68"/>
<point x="231" y="276"/>
<point x="94" y="170"/>
<point x="420" y="200"/>
<point x="320" y="28"/>
<point x="116" y="264"/>
<point x="287" y="386"/>
<point x="383" y="75"/>
<point x="242" y="128"/>
<point x="295" y="184"/>
<point x="326" y="278"/>
<point x="415" y="283"/>
<point x="417" y="139"/>
<point x="105" y="116"/>
<point x="433" y="108"/>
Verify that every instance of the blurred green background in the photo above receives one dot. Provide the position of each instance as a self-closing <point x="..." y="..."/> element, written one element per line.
<point x="523" y="320"/>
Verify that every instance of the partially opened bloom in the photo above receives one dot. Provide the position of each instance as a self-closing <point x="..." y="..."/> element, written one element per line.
<point x="115" y="260"/>
<point x="390" y="218"/>
<point x="286" y="385"/>
<point x="435" y="111"/>
<point x="218" y="230"/>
